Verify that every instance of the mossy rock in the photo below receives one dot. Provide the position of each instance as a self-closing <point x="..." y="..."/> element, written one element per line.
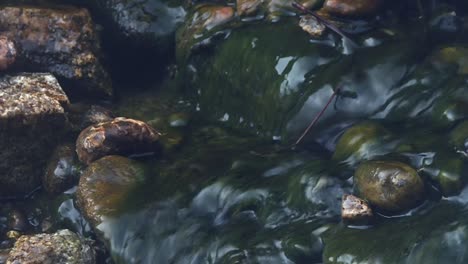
<point x="106" y="186"/>
<point x="361" y="142"/>
<point x="389" y="185"/>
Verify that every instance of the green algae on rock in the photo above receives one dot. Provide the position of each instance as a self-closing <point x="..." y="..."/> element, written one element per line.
<point x="361" y="142"/>
<point x="63" y="246"/>
<point x="448" y="171"/>
<point x="458" y="137"/>
<point x="122" y="136"/>
<point x="60" y="41"/>
<point x="32" y="113"/>
<point x="389" y="185"/>
<point x="105" y="186"/>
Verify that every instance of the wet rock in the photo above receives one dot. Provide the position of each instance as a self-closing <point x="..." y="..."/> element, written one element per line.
<point x="355" y="211"/>
<point x="451" y="56"/>
<point x="203" y="21"/>
<point x="141" y="23"/>
<point x="17" y="220"/>
<point x="389" y="185"/>
<point x="352" y="8"/>
<point x="448" y="111"/>
<point x="105" y="185"/>
<point x="119" y="136"/>
<point x="32" y="112"/>
<point x="7" y="53"/>
<point x="63" y="246"/>
<point x="448" y="171"/>
<point x="63" y="170"/>
<point x="361" y="142"/>
<point x="458" y="138"/>
<point x="248" y="7"/>
<point x="310" y="25"/>
<point x="13" y="234"/>
<point x="60" y="41"/>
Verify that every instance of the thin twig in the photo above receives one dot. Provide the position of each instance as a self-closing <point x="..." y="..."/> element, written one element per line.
<point x="323" y="21"/>
<point x="317" y="117"/>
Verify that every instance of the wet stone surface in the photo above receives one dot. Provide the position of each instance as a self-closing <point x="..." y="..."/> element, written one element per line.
<point x="61" y="41"/>
<point x="32" y="112"/>
<point x="122" y="136"/>
<point x="63" y="246"/>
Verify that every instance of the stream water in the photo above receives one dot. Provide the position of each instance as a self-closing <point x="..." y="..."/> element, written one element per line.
<point x="229" y="189"/>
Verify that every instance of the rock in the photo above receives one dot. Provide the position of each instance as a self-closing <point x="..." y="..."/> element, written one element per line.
<point x="7" y="53"/>
<point x="248" y="7"/>
<point x="448" y="171"/>
<point x="63" y="246"/>
<point x="351" y="8"/>
<point x="451" y="56"/>
<point x="105" y="185"/>
<point x="17" y="220"/>
<point x="32" y="112"/>
<point x="310" y="25"/>
<point x="361" y="142"/>
<point x="389" y="185"/>
<point x="355" y="211"/>
<point x="141" y="23"/>
<point x="13" y="234"/>
<point x="119" y="136"/>
<point x="60" y="41"/>
<point x="448" y="111"/>
<point x="63" y="170"/>
<point x="458" y="138"/>
<point x="203" y="21"/>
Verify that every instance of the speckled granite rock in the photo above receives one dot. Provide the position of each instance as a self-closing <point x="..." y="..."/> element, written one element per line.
<point x="64" y="247"/>
<point x="32" y="119"/>
<point x="60" y="41"/>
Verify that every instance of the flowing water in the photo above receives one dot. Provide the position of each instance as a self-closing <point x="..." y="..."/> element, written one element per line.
<point x="230" y="188"/>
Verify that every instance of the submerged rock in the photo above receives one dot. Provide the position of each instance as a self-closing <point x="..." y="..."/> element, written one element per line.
<point x="448" y="171"/>
<point x="355" y="211"/>
<point x="32" y="113"/>
<point x="361" y="142"/>
<point x="459" y="137"/>
<point x="120" y="136"/>
<point x="105" y="186"/>
<point x="63" y="246"/>
<point x="389" y="185"/>
<point x="351" y="7"/>
<point x="61" y="41"/>
<point x="63" y="170"/>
